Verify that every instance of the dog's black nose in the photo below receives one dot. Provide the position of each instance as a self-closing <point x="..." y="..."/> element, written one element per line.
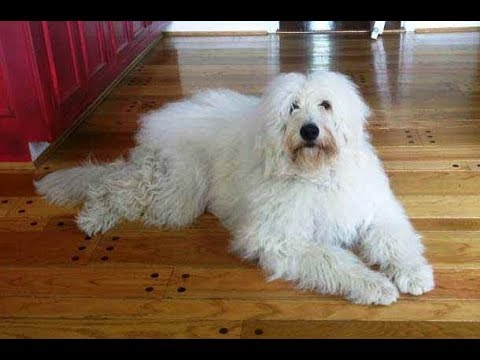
<point x="309" y="132"/>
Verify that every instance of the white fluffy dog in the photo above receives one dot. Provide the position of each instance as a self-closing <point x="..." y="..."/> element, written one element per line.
<point x="292" y="175"/>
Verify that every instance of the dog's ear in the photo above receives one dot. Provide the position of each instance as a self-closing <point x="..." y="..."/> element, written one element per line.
<point x="265" y="153"/>
<point x="279" y="94"/>
<point x="272" y="113"/>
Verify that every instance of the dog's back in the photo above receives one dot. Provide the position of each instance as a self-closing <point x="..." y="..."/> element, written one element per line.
<point x="208" y="114"/>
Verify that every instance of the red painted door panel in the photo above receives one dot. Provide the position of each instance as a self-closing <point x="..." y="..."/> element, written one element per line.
<point x="138" y="32"/>
<point x="66" y="67"/>
<point x="138" y="28"/>
<point x="119" y="37"/>
<point x="5" y="106"/>
<point x="63" y="50"/>
<point x="8" y="139"/>
<point x="97" y="55"/>
<point x="92" y="39"/>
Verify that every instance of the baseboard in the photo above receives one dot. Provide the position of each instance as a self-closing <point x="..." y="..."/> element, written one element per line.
<point x="215" y="33"/>
<point x="326" y="32"/>
<point x="79" y="120"/>
<point x="396" y="31"/>
<point x="448" y="29"/>
<point x="17" y="166"/>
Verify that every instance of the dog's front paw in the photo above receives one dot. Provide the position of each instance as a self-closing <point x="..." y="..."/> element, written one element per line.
<point x="413" y="280"/>
<point x="374" y="290"/>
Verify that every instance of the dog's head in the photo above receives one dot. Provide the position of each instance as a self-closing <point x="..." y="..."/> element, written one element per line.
<point x="307" y="119"/>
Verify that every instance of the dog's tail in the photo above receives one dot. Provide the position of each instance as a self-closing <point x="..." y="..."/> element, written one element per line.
<point x="69" y="186"/>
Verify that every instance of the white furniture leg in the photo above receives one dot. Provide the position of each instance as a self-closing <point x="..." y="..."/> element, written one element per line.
<point x="378" y="27"/>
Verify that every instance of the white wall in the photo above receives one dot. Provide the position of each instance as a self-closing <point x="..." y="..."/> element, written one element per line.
<point x="273" y="26"/>
<point x="412" y="25"/>
<point x="269" y="26"/>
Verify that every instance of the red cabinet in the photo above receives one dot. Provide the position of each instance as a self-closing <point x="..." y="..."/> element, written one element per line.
<point x="50" y="71"/>
<point x="94" y="49"/>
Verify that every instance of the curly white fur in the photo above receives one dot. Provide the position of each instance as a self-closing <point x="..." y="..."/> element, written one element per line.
<point x="297" y="209"/>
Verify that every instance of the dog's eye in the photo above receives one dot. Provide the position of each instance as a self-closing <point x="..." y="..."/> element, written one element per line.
<point x="294" y="106"/>
<point x="326" y="105"/>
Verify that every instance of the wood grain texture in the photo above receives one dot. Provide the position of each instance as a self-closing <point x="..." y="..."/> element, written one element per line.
<point x="152" y="307"/>
<point x="137" y="281"/>
<point x="41" y="248"/>
<point x="359" y="329"/>
<point x="459" y="181"/>
<point x="88" y="281"/>
<point x="245" y="283"/>
<point x="203" y="247"/>
<point x="453" y="249"/>
<point x="122" y="329"/>
<point x="442" y="206"/>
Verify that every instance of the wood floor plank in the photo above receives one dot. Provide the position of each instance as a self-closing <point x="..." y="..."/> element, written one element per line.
<point x="453" y="182"/>
<point x="359" y="330"/>
<point x="22" y="224"/>
<point x="124" y="329"/>
<point x="453" y="249"/>
<point x="250" y="283"/>
<point x="461" y="136"/>
<point x="44" y="248"/>
<point x="7" y="203"/>
<point x="37" y="206"/>
<point x="429" y="153"/>
<point x="395" y="137"/>
<point x="441" y="206"/>
<point x="233" y="283"/>
<point x="152" y="308"/>
<point x="415" y="166"/>
<point x="115" y="122"/>
<point x="445" y="224"/>
<point x="89" y="281"/>
<point x="203" y="247"/>
<point x="16" y="184"/>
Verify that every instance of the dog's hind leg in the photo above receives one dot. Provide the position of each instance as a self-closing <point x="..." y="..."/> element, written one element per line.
<point x="70" y="186"/>
<point x="124" y="193"/>
<point x="180" y="194"/>
<point x="108" y="201"/>
<point x="96" y="217"/>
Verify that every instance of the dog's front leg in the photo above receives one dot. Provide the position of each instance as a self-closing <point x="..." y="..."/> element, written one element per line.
<point x="277" y="230"/>
<point x="391" y="242"/>
<point x="330" y="270"/>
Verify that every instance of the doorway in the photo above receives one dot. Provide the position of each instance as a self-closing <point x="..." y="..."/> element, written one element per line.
<point x="335" y="26"/>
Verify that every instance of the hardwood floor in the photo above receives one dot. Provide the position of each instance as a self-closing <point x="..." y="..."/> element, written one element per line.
<point x="135" y="282"/>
